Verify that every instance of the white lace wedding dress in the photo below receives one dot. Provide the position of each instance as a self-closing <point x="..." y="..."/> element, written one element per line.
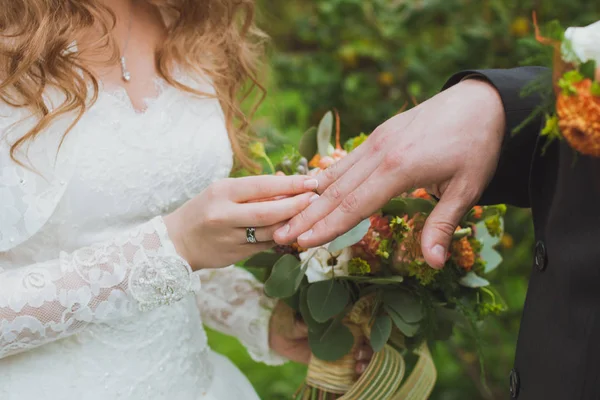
<point x="95" y="304"/>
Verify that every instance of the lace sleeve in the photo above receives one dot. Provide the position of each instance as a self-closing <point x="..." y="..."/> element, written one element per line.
<point x="137" y="271"/>
<point x="232" y="301"/>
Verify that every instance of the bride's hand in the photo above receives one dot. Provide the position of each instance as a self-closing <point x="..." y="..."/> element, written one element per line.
<point x="288" y="336"/>
<point x="209" y="231"/>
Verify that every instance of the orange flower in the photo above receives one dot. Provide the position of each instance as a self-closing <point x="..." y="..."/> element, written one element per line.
<point x="463" y="254"/>
<point x="410" y="248"/>
<point x="297" y="248"/>
<point x="579" y="118"/>
<point x="421" y="194"/>
<point x="326" y="162"/>
<point x="379" y="229"/>
<point x="381" y="225"/>
<point x="477" y="212"/>
<point x="314" y="162"/>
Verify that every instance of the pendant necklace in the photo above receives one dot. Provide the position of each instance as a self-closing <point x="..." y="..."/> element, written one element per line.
<point x="124" y="71"/>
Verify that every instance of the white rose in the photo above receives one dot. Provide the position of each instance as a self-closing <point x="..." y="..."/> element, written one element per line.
<point x="324" y="265"/>
<point x="584" y="42"/>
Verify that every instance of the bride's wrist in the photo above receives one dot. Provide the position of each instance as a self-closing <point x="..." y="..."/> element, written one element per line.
<point x="174" y="229"/>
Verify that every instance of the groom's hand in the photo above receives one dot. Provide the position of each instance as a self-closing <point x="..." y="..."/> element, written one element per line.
<point x="450" y="145"/>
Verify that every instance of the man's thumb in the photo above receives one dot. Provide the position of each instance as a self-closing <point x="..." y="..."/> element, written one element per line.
<point x="441" y="224"/>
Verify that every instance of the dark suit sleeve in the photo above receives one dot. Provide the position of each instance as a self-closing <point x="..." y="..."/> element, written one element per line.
<point x="510" y="184"/>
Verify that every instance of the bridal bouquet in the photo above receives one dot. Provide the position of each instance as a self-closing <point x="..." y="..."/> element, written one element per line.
<point x="373" y="284"/>
<point x="572" y="111"/>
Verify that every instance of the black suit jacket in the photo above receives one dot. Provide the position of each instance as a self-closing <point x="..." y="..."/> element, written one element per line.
<point x="558" y="350"/>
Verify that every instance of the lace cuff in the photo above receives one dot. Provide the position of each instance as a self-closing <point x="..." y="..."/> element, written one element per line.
<point x="139" y="270"/>
<point x="232" y="301"/>
<point x="259" y="348"/>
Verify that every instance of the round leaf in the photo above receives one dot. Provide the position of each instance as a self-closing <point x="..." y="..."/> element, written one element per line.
<point x="305" y="312"/>
<point x="380" y="332"/>
<point x="409" y="330"/>
<point x="402" y="303"/>
<point x="482" y="234"/>
<point x="308" y="143"/>
<point x="491" y="257"/>
<point x="327" y="299"/>
<point x="333" y="344"/>
<point x="264" y="259"/>
<point x="473" y="281"/>
<point x="285" y="278"/>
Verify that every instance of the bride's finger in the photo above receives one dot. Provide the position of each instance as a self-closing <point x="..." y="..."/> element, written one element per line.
<point x="264" y="234"/>
<point x="258" y="215"/>
<point x="242" y="190"/>
<point x="269" y="199"/>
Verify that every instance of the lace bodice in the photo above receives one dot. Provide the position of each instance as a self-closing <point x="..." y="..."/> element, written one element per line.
<point x="89" y="278"/>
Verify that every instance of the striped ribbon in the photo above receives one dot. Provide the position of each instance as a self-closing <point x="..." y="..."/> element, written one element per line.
<point x="382" y="380"/>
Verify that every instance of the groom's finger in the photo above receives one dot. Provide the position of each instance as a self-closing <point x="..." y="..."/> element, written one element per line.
<point x="455" y="202"/>
<point x="334" y="196"/>
<point x="335" y="171"/>
<point x="370" y="196"/>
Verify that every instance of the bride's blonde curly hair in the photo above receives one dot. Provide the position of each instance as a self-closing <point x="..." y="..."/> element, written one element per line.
<point x="214" y="37"/>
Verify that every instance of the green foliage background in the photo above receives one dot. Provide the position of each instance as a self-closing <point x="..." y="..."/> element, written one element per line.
<point x="367" y="58"/>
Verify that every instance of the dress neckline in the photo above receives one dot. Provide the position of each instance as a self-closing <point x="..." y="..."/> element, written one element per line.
<point x="120" y="94"/>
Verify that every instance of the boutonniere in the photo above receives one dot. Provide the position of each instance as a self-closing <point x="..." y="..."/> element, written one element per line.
<point x="574" y="114"/>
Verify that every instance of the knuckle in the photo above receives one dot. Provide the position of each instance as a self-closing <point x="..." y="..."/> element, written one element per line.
<point x="391" y="160"/>
<point x="378" y="143"/>
<point x="331" y="173"/>
<point x="444" y="226"/>
<point x="350" y="204"/>
<point x="218" y="188"/>
<point x="213" y="217"/>
<point x="303" y="216"/>
<point x="469" y="193"/>
<point x="333" y="192"/>
<point x="300" y="203"/>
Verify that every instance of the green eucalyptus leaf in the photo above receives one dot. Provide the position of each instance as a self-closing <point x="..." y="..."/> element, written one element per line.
<point x="286" y="277"/>
<point x="351" y="237"/>
<point x="264" y="259"/>
<point x="324" y="133"/>
<point x="492" y="258"/>
<point x="294" y="301"/>
<point x="305" y="312"/>
<point x="482" y="234"/>
<point x="380" y="332"/>
<point x="409" y="330"/>
<point x="308" y="144"/>
<point x="333" y="343"/>
<point x="472" y="280"/>
<point x="408" y="307"/>
<point x="327" y="299"/>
